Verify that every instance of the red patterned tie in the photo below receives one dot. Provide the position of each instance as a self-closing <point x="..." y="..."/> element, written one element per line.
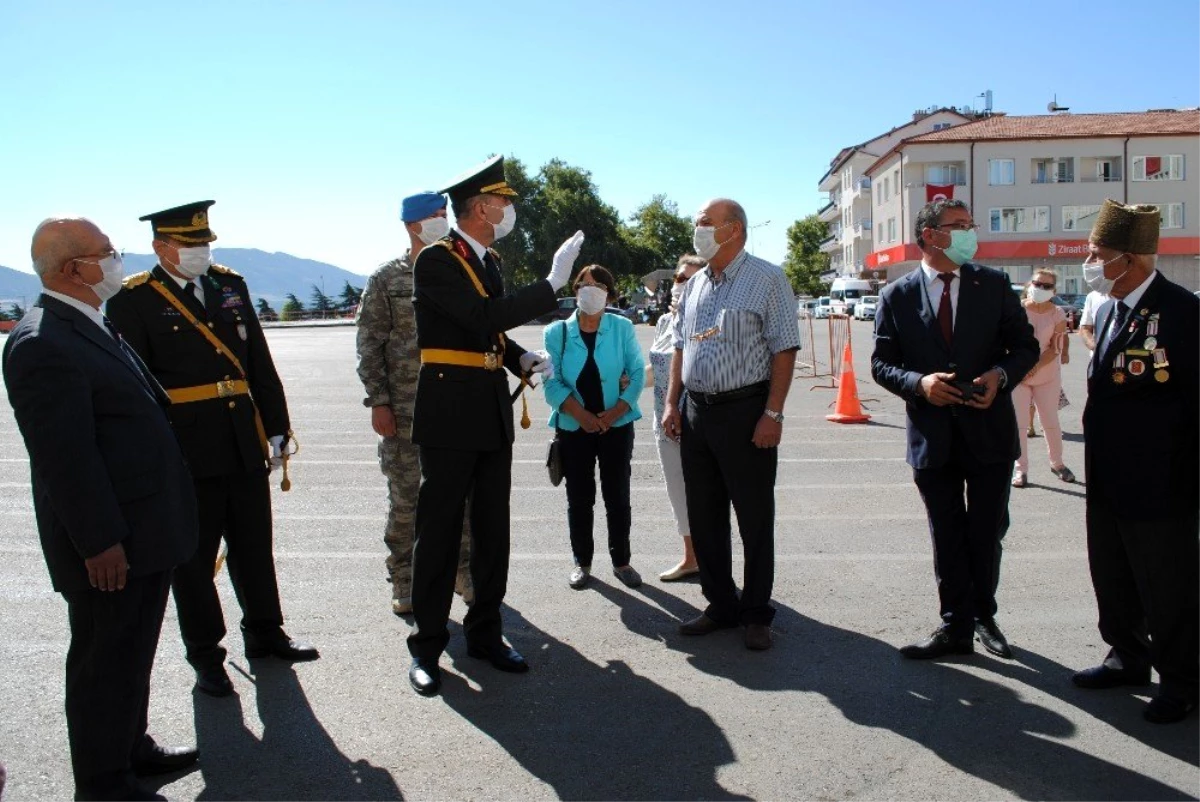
<point x="945" y="311"/>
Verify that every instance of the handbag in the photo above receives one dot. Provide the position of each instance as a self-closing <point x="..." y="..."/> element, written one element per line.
<point x="554" y="450"/>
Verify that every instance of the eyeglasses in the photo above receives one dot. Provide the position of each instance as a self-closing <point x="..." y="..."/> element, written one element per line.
<point x="680" y="278"/>
<point x="1043" y="285"/>
<point x="111" y="253"/>
<point x="959" y="226"/>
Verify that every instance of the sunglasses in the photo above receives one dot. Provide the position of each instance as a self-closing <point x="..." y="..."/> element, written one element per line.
<point x="1042" y="285"/>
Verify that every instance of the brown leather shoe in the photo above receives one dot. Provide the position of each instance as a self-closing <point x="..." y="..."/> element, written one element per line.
<point x="758" y="637"/>
<point x="701" y="625"/>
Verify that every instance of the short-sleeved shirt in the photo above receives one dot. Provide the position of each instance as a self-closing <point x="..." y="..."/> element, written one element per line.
<point x="729" y="326"/>
<point x="1093" y="302"/>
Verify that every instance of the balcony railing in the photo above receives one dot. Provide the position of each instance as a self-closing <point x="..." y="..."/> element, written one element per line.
<point x="827" y="207"/>
<point x="863" y="228"/>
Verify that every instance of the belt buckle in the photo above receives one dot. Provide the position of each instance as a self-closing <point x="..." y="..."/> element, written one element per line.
<point x="491" y="361"/>
<point x="225" y="389"/>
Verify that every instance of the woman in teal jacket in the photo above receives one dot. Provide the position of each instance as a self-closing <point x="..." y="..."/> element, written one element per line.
<point x="593" y="416"/>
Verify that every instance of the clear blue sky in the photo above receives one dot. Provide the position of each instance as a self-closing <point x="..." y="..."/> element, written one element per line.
<point x="307" y="121"/>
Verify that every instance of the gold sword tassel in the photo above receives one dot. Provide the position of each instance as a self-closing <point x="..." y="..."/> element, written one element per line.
<point x="291" y="446"/>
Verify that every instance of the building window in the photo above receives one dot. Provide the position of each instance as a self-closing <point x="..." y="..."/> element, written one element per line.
<point x="1106" y="170"/>
<point x="1019" y="219"/>
<point x="1172" y="215"/>
<point x="1053" y="171"/>
<point x="891" y="229"/>
<point x="941" y="126"/>
<point x="1158" y="168"/>
<point x="886" y="189"/>
<point x="1079" y="218"/>
<point x="942" y="174"/>
<point x="879" y="233"/>
<point x="1002" y="172"/>
<point x="896" y="180"/>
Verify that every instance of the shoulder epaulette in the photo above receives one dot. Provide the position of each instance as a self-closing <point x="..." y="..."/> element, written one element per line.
<point x="227" y="271"/>
<point x="445" y="243"/>
<point x="495" y="254"/>
<point x="136" y="280"/>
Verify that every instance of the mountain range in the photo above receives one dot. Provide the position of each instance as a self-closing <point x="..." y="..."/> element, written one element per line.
<point x="270" y="275"/>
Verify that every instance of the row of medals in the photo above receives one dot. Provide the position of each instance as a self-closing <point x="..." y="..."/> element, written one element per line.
<point x="1137" y="356"/>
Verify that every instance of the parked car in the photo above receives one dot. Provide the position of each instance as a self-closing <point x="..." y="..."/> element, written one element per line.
<point x="865" y="308"/>
<point x="566" y="307"/>
<point x="823" y="307"/>
<point x="806" y="307"/>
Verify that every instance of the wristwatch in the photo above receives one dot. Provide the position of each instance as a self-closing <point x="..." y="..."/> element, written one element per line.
<point x="773" y="415"/>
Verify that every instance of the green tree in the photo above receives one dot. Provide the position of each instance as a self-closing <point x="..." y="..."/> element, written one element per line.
<point x="350" y="296"/>
<point x="516" y="250"/>
<point x="321" y="302"/>
<point x="264" y="308"/>
<point x="804" y="262"/>
<point x="293" y="307"/>
<point x="657" y="235"/>
<point x="16" y="311"/>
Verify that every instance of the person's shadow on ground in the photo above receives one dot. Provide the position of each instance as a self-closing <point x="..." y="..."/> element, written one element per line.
<point x="978" y="726"/>
<point x="295" y="759"/>
<point x="589" y="731"/>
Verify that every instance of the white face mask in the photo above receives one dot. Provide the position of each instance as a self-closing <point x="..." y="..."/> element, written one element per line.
<point x="1093" y="276"/>
<point x="507" y="222"/>
<point x="592" y="300"/>
<point x="433" y="229"/>
<point x="110" y="284"/>
<point x="704" y="241"/>
<point x="194" y="262"/>
<point x="1039" y="295"/>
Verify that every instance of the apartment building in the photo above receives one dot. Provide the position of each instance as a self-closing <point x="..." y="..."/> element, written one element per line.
<point x="1035" y="185"/>
<point x="850" y="209"/>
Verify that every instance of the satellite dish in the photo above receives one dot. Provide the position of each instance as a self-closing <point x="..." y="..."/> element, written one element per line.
<point x="1051" y="107"/>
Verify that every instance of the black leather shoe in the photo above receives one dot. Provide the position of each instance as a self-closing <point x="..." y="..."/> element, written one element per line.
<point x="992" y="638"/>
<point x="939" y="644"/>
<point x="213" y="681"/>
<point x="1101" y="676"/>
<point x="502" y="657"/>
<point x="701" y="625"/>
<point x="1167" y="710"/>
<point x="426" y="678"/>
<point x="279" y="645"/>
<point x="758" y="637"/>
<point x="155" y="759"/>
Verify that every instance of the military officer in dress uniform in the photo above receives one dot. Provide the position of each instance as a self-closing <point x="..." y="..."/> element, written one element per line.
<point x="193" y="324"/>
<point x="1141" y="430"/>
<point x="388" y="363"/>
<point x="462" y="421"/>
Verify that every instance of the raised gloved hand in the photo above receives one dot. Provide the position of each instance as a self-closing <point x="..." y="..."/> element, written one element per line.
<point x="537" y="362"/>
<point x="564" y="261"/>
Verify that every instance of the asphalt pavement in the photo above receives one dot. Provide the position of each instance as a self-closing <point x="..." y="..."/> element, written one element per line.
<point x="617" y="705"/>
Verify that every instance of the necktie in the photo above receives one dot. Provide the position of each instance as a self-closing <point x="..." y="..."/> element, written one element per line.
<point x="189" y="292"/>
<point x="135" y="362"/>
<point x="1115" y="327"/>
<point x="945" y="311"/>
<point x="492" y="271"/>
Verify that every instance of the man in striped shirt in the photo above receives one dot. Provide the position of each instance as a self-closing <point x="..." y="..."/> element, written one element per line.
<point x="735" y="336"/>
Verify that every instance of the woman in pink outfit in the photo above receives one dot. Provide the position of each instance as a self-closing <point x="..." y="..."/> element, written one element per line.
<point x="1043" y="384"/>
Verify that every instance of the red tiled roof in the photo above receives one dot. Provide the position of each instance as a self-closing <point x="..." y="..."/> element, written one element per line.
<point x="1067" y="126"/>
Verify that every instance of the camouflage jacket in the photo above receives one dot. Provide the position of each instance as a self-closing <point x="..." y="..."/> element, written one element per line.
<point x="388" y="357"/>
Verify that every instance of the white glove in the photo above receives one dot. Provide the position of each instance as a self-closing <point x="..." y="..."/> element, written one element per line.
<point x="564" y="261"/>
<point x="537" y="362"/>
<point x="276" y="459"/>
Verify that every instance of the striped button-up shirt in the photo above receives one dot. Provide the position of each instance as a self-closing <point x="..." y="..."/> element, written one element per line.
<point x="729" y="326"/>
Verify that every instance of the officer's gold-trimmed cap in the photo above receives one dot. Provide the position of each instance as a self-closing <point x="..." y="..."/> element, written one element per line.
<point x="1129" y="229"/>
<point x="482" y="179"/>
<point x="187" y="223"/>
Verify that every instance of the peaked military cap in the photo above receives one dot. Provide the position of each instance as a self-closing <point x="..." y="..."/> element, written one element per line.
<point x="482" y="179"/>
<point x="1130" y="229"/>
<point x="187" y="223"/>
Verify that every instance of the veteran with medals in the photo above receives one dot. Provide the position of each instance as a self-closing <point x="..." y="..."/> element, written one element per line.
<point x="193" y="325"/>
<point x="1141" y="431"/>
<point x="463" y="418"/>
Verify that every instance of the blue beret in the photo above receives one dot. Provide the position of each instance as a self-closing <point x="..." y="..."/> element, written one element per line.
<point x="419" y="206"/>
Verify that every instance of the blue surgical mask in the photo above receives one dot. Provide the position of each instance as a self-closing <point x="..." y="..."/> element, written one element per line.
<point x="963" y="245"/>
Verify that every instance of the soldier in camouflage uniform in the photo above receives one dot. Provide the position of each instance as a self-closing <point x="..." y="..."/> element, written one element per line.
<point x="388" y="364"/>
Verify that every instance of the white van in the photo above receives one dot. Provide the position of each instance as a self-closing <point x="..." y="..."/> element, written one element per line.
<point x="845" y="292"/>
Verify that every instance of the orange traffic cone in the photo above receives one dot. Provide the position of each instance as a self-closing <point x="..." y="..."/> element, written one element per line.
<point x="848" y="409"/>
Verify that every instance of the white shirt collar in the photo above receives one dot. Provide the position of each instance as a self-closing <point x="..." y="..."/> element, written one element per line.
<point x="475" y="246"/>
<point x="1131" y="300"/>
<point x="89" y="311"/>
<point x="931" y="275"/>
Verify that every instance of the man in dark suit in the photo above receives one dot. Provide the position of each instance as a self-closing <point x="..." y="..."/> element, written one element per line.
<point x="1141" y="430"/>
<point x="194" y="325"/>
<point x="462" y="417"/>
<point x="113" y="498"/>
<point x="951" y="339"/>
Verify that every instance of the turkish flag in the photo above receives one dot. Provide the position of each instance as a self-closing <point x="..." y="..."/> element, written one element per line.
<point x="937" y="192"/>
<point x="1153" y="165"/>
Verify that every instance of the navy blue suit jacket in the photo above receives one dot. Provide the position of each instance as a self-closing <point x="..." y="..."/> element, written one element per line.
<point x="1142" y="433"/>
<point x="105" y="464"/>
<point x="990" y="330"/>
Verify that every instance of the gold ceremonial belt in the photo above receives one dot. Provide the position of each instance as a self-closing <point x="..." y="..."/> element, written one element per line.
<point x="205" y="392"/>
<point x="467" y="359"/>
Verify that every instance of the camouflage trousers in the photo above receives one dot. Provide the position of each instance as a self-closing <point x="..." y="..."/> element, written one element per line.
<point x="400" y="465"/>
